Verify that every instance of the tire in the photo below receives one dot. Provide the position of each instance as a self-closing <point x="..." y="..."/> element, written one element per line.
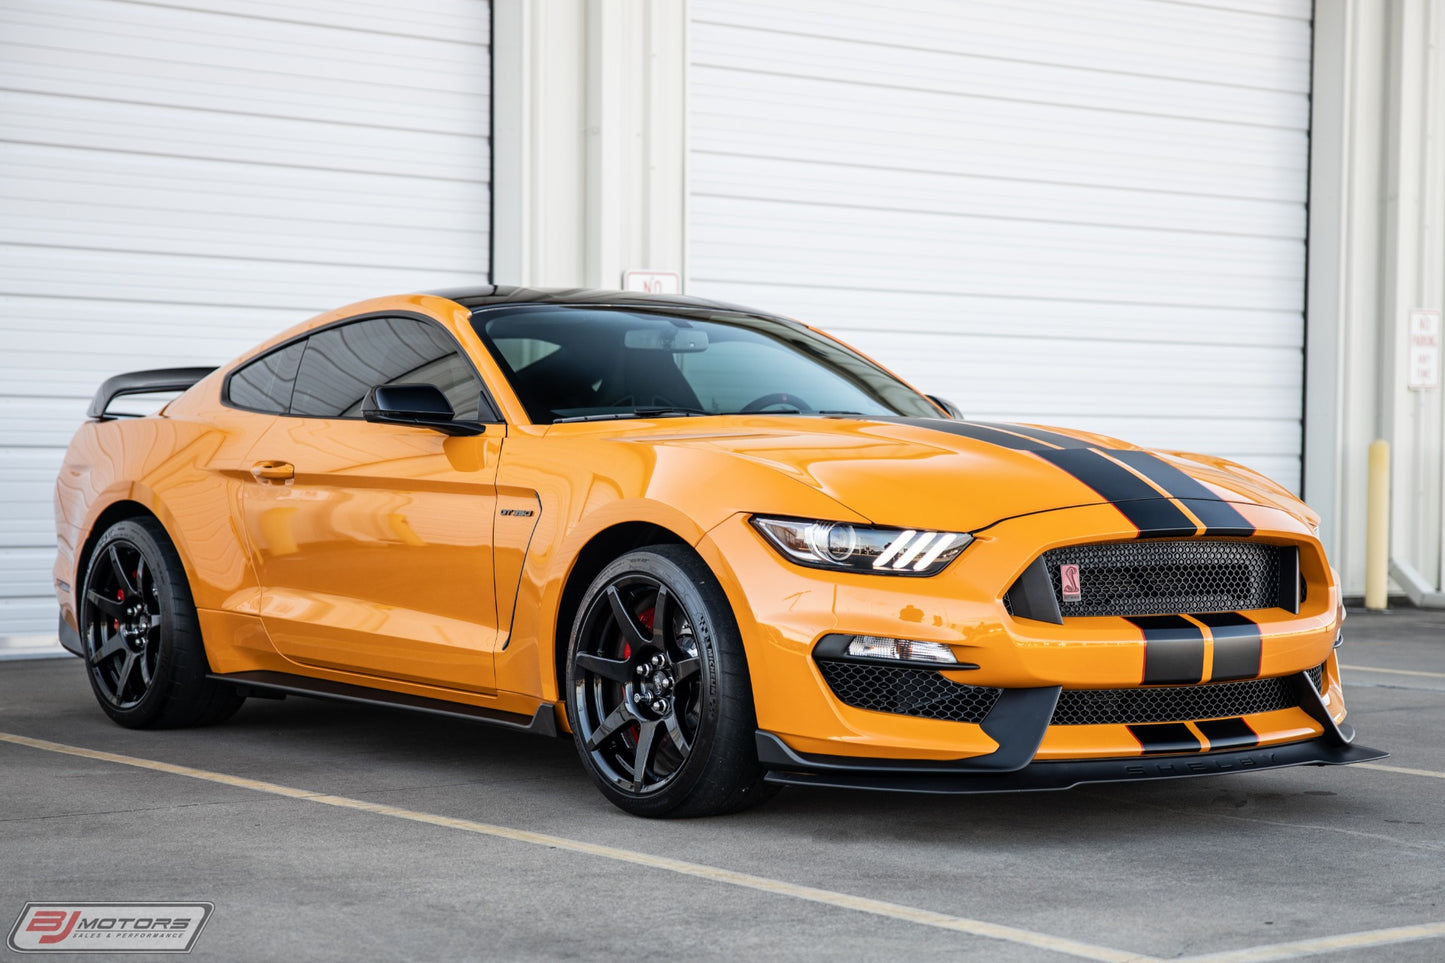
<point x="143" y="650"/>
<point x="658" y="695"/>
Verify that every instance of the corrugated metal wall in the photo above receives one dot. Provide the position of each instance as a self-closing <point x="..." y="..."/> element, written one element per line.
<point x="1071" y="213"/>
<point x="181" y="179"/>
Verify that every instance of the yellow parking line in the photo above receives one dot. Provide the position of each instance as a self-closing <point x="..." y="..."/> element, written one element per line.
<point x="1402" y="770"/>
<point x="1371" y="668"/>
<point x="909" y="914"/>
<point x="1324" y="944"/>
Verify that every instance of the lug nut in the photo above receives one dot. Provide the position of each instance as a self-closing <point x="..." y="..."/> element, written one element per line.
<point x="659" y="706"/>
<point x="659" y="660"/>
<point x="664" y="683"/>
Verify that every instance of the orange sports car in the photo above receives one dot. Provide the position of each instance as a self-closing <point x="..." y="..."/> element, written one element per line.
<point x="719" y="548"/>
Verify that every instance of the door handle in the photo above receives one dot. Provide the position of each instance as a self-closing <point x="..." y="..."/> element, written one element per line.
<point x="273" y="471"/>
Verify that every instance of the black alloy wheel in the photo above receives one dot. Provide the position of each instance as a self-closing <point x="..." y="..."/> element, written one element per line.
<point x="122" y="625"/>
<point x="658" y="694"/>
<point x="143" y="650"/>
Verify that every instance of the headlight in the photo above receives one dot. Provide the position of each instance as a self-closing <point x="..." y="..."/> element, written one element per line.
<point x="841" y="546"/>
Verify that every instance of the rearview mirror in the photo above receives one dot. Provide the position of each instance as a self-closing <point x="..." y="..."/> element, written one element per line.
<point x="678" y="340"/>
<point x="418" y="405"/>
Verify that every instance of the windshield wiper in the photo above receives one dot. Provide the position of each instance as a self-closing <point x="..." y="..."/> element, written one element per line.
<point x="656" y="412"/>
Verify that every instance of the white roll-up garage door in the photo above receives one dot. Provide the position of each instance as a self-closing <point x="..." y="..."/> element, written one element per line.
<point x="1087" y="214"/>
<point x="181" y="178"/>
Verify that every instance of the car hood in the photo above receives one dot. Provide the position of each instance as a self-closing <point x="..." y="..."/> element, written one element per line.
<point x="965" y="476"/>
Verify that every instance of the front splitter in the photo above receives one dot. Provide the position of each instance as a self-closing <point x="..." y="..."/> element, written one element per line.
<point x="787" y="767"/>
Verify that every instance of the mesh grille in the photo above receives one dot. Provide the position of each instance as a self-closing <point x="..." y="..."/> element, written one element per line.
<point x="1093" y="707"/>
<point x="1317" y="676"/>
<point x="1166" y="577"/>
<point x="909" y="692"/>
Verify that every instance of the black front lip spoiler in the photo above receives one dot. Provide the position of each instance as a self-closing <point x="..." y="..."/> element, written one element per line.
<point x="791" y="768"/>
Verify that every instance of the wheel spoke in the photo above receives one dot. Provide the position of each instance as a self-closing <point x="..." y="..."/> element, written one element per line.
<point x="145" y="671"/>
<point x="625" y="619"/>
<point x="614" y="669"/>
<point x="109" y="606"/>
<point x="140" y="573"/>
<point x="608" y="727"/>
<point x="660" y="616"/>
<point x="121" y="574"/>
<point x="646" y="747"/>
<point x="123" y="678"/>
<point x="674" y="731"/>
<point x="112" y="644"/>
<point x="685" y="669"/>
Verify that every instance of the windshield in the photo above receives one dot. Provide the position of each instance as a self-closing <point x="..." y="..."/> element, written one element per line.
<point x="583" y="363"/>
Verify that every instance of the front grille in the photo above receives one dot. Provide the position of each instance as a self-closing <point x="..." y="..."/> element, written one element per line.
<point x="1317" y="676"/>
<point x="909" y="692"/>
<point x="1097" y="707"/>
<point x="1170" y="577"/>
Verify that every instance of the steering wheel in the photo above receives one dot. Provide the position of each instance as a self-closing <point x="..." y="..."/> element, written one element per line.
<point x="776" y="398"/>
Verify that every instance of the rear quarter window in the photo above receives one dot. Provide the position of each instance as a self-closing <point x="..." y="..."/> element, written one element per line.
<point x="265" y="384"/>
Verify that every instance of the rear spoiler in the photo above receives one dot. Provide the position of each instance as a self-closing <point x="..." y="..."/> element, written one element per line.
<point x="142" y="383"/>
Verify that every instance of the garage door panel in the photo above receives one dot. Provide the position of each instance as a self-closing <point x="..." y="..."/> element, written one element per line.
<point x="1263" y="47"/>
<point x="834" y="184"/>
<point x="305" y="286"/>
<point x="401" y="103"/>
<point x="179" y="33"/>
<point x="811" y="120"/>
<point x="219" y="188"/>
<point x="168" y="131"/>
<point x="991" y="78"/>
<point x="843" y="311"/>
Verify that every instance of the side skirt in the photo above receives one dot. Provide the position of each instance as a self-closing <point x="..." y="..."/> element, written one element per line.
<point x="543" y="722"/>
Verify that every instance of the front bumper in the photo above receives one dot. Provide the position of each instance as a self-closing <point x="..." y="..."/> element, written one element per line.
<point x="1018" y="723"/>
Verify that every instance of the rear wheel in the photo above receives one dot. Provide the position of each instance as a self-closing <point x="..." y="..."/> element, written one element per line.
<point x="142" y="643"/>
<point x="658" y="694"/>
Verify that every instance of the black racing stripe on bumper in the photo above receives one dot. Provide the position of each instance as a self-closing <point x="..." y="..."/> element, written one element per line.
<point x="1218" y="516"/>
<point x="1160" y="737"/>
<point x="977" y="432"/>
<point x="1152" y="513"/>
<point x="1238" y="647"/>
<point x="1173" y="649"/>
<point x="1228" y="734"/>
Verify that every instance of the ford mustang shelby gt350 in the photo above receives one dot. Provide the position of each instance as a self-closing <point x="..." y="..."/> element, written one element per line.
<point x="721" y="549"/>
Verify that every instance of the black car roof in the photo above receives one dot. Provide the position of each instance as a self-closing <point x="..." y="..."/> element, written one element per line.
<point x="490" y="295"/>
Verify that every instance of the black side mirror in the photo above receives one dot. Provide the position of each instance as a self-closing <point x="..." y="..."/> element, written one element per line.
<point x="419" y="405"/>
<point x="952" y="409"/>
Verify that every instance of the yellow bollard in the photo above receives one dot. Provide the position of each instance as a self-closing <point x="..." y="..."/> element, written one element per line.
<point x="1377" y="527"/>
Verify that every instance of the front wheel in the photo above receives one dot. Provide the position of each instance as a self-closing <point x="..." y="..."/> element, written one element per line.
<point x="658" y="694"/>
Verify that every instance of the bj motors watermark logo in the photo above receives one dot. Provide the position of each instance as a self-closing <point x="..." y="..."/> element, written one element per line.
<point x="109" y="927"/>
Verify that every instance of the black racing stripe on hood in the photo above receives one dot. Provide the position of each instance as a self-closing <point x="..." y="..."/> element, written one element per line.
<point x="975" y="431"/>
<point x="1051" y="438"/>
<point x="1154" y="515"/>
<point x="1173" y="650"/>
<point x="1218" y="516"/>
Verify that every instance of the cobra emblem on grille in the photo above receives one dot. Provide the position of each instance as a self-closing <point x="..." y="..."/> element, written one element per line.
<point x="1069" y="582"/>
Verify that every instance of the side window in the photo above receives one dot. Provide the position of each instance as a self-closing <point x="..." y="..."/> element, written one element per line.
<point x="265" y="384"/>
<point x="342" y="364"/>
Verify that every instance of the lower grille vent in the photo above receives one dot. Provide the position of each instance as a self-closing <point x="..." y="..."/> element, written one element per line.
<point x="908" y="692"/>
